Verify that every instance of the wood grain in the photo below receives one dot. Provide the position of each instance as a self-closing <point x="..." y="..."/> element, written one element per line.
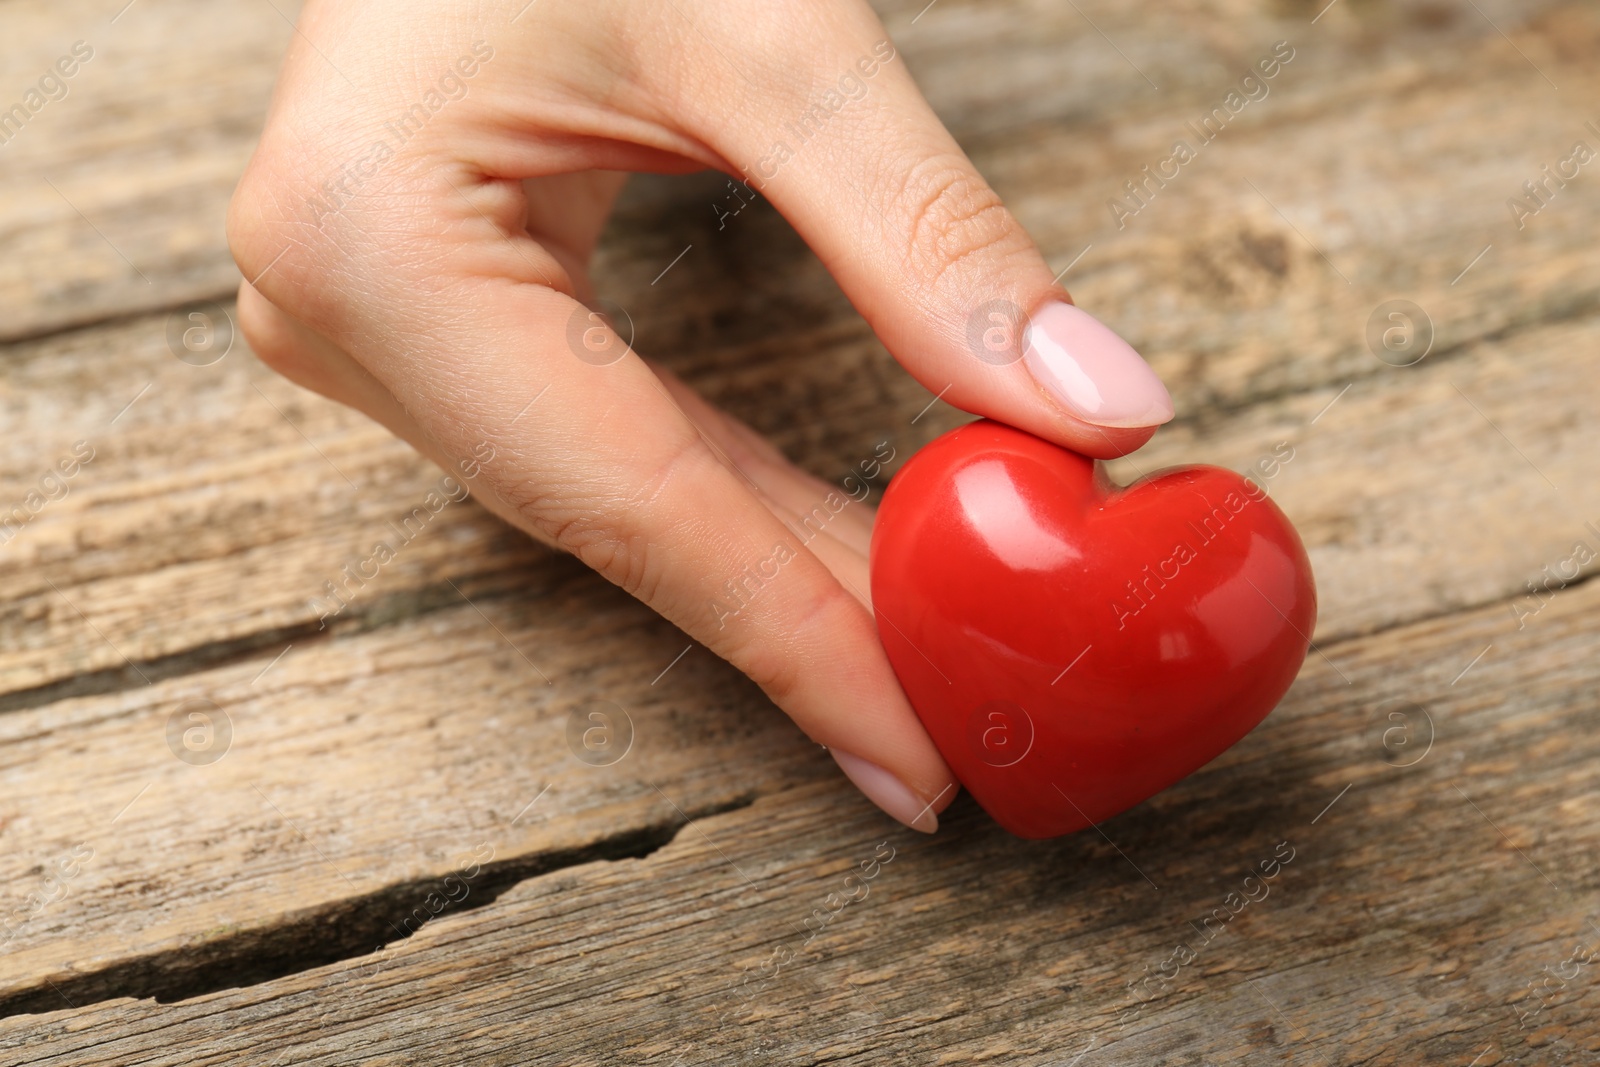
<point x="215" y="510"/>
<point x="1363" y="485"/>
<point x="351" y="775"/>
<point x="1425" y="889"/>
<point x="1228" y="297"/>
<point x="621" y="907"/>
<point x="116" y="193"/>
<point x="1425" y="489"/>
<point x="1232" y="301"/>
<point x="219" y="505"/>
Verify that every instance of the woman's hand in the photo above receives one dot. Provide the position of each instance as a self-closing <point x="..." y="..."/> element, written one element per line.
<point x="416" y="226"/>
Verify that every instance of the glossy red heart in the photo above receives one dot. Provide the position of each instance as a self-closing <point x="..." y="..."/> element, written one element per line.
<point x="1074" y="647"/>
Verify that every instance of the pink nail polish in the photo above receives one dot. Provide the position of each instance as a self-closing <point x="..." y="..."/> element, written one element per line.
<point x="888" y="792"/>
<point x="1095" y="374"/>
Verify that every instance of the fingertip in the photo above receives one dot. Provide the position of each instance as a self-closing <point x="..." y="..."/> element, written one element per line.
<point x="1091" y="372"/>
<point x="893" y="796"/>
<point x="1105" y="442"/>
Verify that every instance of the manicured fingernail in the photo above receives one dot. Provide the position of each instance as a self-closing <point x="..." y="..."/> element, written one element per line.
<point x="1094" y="373"/>
<point x="888" y="792"/>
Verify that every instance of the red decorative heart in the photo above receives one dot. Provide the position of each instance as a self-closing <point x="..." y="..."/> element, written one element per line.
<point x="1074" y="647"/>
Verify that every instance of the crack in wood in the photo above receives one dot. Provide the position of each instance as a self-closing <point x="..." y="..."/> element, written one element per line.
<point x="341" y="930"/>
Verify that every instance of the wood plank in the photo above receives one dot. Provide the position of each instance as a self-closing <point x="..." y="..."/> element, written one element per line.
<point x="118" y="190"/>
<point x="1407" y="510"/>
<point x="191" y="538"/>
<point x="1230" y="300"/>
<point x="1419" y="900"/>
<point x="144" y="150"/>
<point x="1430" y="488"/>
<point x="216" y="508"/>
<point x="351" y="775"/>
<point x="266" y="520"/>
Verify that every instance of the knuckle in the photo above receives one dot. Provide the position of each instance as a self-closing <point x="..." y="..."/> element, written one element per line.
<point x="269" y="334"/>
<point x="618" y="534"/>
<point x="955" y="221"/>
<point x="621" y="558"/>
<point x="331" y="232"/>
<point x="310" y="208"/>
<point x="824" y="620"/>
<point x="596" y="533"/>
<point x="773" y="668"/>
<point x="247" y="221"/>
<point x="274" y="246"/>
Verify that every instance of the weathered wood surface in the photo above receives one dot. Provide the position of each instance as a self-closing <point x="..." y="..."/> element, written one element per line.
<point x="228" y="555"/>
<point x="116" y="191"/>
<point x="1424" y="890"/>
<point x="1227" y="297"/>
<point x="1362" y="481"/>
<point x="369" y="763"/>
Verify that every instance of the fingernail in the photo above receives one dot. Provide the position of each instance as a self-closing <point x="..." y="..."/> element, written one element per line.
<point x="1094" y="373"/>
<point x="888" y="792"/>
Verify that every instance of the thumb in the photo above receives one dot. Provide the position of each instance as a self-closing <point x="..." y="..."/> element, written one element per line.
<point x="924" y="248"/>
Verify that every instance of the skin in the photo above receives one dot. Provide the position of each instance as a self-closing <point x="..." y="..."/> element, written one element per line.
<point x="437" y="298"/>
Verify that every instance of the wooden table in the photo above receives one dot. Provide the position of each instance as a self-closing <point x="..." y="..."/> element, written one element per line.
<point x="397" y="857"/>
